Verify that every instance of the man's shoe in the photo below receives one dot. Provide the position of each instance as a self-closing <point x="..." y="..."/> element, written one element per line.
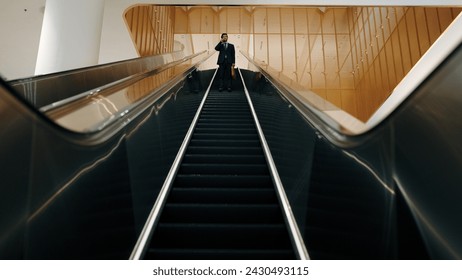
<point x="220" y="89"/>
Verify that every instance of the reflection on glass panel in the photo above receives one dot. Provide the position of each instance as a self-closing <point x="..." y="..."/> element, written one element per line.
<point x="93" y="112"/>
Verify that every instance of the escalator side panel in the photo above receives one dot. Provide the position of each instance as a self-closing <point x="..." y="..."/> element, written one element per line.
<point x="92" y="216"/>
<point x="74" y="201"/>
<point x="428" y="153"/>
<point x="15" y="150"/>
<point x="342" y="211"/>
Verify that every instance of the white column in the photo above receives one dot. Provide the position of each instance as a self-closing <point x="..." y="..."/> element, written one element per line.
<point x="71" y="35"/>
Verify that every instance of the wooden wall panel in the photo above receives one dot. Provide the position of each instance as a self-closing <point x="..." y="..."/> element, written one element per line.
<point x="385" y="77"/>
<point x="445" y="17"/>
<point x="413" y="37"/>
<point x="434" y="29"/>
<point x="317" y="63"/>
<point x="259" y="21"/>
<point x="349" y="101"/>
<point x="327" y="22"/>
<point x="275" y="51"/>
<point x="334" y="96"/>
<point x="233" y="20"/>
<point x="422" y="30"/>
<point x="261" y="47"/>
<point x="152" y="28"/>
<point x="289" y="62"/>
<point x="194" y="20"/>
<point x="246" y="25"/>
<point x="273" y="20"/>
<point x="456" y="12"/>
<point x="406" y="34"/>
<point x="207" y="22"/>
<point x="300" y="21"/>
<point x="287" y="21"/>
<point x="314" y="21"/>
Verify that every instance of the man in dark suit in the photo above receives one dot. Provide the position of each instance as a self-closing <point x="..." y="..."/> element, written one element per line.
<point x="226" y="60"/>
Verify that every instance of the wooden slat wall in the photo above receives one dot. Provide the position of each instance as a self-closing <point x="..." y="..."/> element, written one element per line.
<point x="386" y="43"/>
<point x="310" y="46"/>
<point x="151" y="28"/>
<point x="353" y="57"/>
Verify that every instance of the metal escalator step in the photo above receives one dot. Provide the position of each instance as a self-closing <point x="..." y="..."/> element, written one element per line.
<point x="223" y="169"/>
<point x="230" y="158"/>
<point x="225" y="150"/>
<point x="225" y="142"/>
<point x="231" y="236"/>
<point x="226" y="181"/>
<point x="220" y="254"/>
<point x="222" y="213"/>
<point x="224" y="136"/>
<point x="221" y="130"/>
<point x="223" y="195"/>
<point x="225" y="125"/>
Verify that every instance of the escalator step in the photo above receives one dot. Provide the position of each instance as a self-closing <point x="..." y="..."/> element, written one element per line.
<point x="220" y="254"/>
<point x="223" y="169"/>
<point x="225" y="125"/>
<point x="223" y="150"/>
<point x="225" y="143"/>
<point x="219" y="130"/>
<point x="230" y="159"/>
<point x="223" y="195"/>
<point x="224" y="136"/>
<point x="221" y="213"/>
<point x="232" y="236"/>
<point x="225" y="119"/>
<point x="218" y="115"/>
<point x="225" y="181"/>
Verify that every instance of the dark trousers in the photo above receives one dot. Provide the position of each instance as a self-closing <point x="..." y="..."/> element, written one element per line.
<point x="224" y="75"/>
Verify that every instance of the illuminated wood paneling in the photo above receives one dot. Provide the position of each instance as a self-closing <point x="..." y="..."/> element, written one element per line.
<point x="387" y="42"/>
<point x="352" y="56"/>
<point x="151" y="28"/>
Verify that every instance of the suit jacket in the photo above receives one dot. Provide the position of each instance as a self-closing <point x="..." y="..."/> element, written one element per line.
<point x="227" y="55"/>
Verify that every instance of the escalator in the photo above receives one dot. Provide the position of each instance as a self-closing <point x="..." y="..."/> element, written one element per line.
<point x="383" y="194"/>
<point x="223" y="204"/>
